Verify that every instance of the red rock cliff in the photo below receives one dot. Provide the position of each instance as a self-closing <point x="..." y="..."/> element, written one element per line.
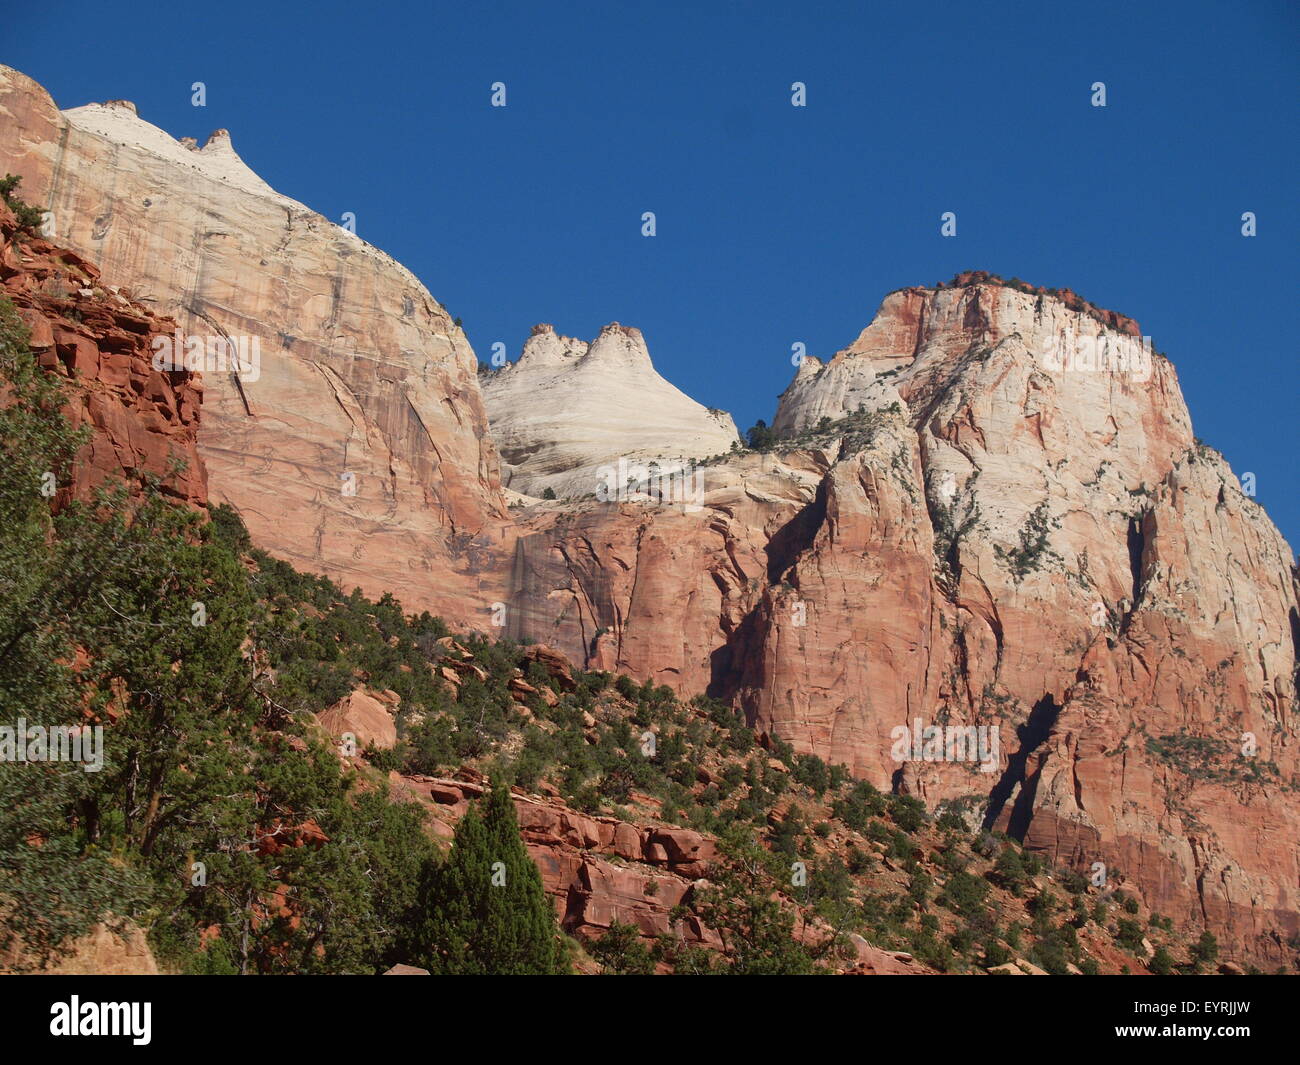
<point x="1004" y="536"/>
<point x="144" y="423"/>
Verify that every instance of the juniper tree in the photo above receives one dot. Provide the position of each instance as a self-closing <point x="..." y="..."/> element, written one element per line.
<point x="485" y="910"/>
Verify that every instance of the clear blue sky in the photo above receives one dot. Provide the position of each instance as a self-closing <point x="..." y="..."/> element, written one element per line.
<point x="775" y="224"/>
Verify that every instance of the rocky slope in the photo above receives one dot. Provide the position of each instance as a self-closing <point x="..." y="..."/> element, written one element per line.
<point x="566" y="409"/>
<point x="647" y="845"/>
<point x="361" y="422"/>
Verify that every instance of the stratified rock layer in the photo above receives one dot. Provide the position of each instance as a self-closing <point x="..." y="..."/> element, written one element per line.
<point x="358" y="446"/>
<point x="567" y="409"/>
<point x="143" y="422"/>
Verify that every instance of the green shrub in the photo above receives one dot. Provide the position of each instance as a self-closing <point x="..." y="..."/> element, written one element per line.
<point x="30" y="219"/>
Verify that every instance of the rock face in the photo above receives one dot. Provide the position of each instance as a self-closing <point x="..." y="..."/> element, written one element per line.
<point x="359" y="423"/>
<point x="118" y="947"/>
<point x="659" y="590"/>
<point x="1007" y="526"/>
<point x="144" y="423"/>
<point x="367" y="718"/>
<point x="568" y="408"/>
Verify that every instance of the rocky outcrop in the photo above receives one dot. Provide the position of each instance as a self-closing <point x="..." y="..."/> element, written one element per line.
<point x="567" y="409"/>
<point x="597" y="870"/>
<point x="143" y="422"/>
<point x="1059" y="328"/>
<point x="367" y="718"/>
<point x="115" y="947"/>
<point x="360" y="421"/>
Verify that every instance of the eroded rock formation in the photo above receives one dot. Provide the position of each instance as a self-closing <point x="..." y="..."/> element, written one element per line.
<point x="144" y="422"/>
<point x="567" y="409"/>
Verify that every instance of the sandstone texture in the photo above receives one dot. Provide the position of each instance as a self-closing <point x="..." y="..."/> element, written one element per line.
<point x="144" y="423"/>
<point x="367" y="718"/>
<point x="358" y="446"/>
<point x="568" y="408"/>
<point x="658" y="591"/>
<point x="115" y="947"/>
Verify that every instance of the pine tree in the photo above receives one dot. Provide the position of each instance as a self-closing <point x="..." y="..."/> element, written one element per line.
<point x="486" y="912"/>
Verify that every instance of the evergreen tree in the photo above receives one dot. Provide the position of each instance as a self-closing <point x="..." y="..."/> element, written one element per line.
<point x="1205" y="951"/>
<point x="485" y="910"/>
<point x="56" y="889"/>
<point x="742" y="905"/>
<point x="622" y="952"/>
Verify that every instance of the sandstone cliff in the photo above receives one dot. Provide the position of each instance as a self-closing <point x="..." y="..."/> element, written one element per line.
<point x="567" y="409"/>
<point x="986" y="530"/>
<point x="144" y="422"/>
<point x="360" y="430"/>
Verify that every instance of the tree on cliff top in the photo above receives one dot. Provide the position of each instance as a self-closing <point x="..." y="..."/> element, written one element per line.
<point x="30" y="218"/>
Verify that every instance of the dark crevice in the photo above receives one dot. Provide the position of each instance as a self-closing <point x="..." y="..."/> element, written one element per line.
<point x="728" y="665"/>
<point x="1136" y="549"/>
<point x="795" y="536"/>
<point x="1035" y="730"/>
<point x="735" y="660"/>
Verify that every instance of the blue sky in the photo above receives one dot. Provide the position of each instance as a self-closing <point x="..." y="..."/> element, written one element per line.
<point x="775" y="224"/>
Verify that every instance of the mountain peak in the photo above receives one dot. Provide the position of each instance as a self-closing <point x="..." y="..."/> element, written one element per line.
<point x="1121" y="323"/>
<point x="568" y="407"/>
<point x="621" y="344"/>
<point x="919" y="328"/>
